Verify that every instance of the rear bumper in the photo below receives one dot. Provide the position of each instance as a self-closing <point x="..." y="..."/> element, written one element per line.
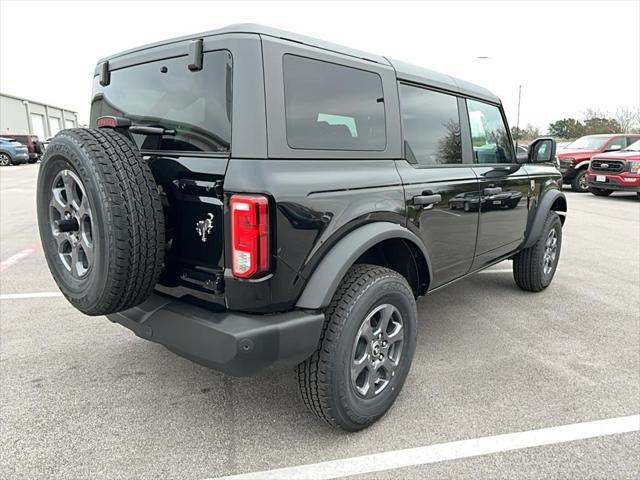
<point x="20" y="157"/>
<point x="235" y="343"/>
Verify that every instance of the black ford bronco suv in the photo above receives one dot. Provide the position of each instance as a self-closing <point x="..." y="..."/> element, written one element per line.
<point x="249" y="197"/>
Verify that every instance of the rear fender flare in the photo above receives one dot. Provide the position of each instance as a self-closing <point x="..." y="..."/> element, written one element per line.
<point x="325" y="279"/>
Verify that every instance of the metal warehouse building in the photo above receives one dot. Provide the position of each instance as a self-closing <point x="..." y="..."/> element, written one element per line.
<point x="20" y="115"/>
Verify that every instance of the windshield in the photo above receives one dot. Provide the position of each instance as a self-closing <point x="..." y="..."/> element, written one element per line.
<point x="634" y="147"/>
<point x="588" y="143"/>
<point x="165" y="93"/>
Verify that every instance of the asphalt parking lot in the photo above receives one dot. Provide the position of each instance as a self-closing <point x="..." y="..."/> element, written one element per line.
<point x="83" y="398"/>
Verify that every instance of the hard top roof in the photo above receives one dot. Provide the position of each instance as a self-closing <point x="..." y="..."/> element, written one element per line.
<point x="404" y="71"/>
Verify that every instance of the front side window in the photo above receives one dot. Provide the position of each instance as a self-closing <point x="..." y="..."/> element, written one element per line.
<point x="631" y="140"/>
<point x="332" y="107"/>
<point x="431" y="126"/>
<point x="634" y="147"/>
<point x="491" y="143"/>
<point x="165" y="93"/>
<point x="618" y="143"/>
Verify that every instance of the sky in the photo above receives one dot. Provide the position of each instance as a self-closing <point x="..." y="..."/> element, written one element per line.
<point x="567" y="56"/>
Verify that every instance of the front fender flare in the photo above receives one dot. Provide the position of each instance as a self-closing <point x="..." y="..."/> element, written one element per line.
<point x="582" y="164"/>
<point x="536" y="225"/>
<point x="325" y="279"/>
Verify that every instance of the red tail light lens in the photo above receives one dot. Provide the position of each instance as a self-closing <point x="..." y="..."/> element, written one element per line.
<point x="250" y="253"/>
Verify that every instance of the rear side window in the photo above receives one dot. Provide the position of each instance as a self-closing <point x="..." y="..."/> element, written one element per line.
<point x="165" y="93"/>
<point x="431" y="126"/>
<point x="332" y="107"/>
<point x="491" y="143"/>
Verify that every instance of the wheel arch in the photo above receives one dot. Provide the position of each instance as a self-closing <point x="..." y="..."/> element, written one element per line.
<point x="552" y="200"/>
<point x="582" y="164"/>
<point x="381" y="243"/>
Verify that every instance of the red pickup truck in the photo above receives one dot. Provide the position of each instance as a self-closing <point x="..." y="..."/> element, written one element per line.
<point x="613" y="171"/>
<point x="575" y="158"/>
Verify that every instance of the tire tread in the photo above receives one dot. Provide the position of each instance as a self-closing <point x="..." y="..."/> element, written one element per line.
<point x="134" y="219"/>
<point x="314" y="374"/>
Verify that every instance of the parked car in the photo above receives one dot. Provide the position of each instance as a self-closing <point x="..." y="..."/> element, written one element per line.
<point x="575" y="158"/>
<point x="304" y="234"/>
<point x="32" y="143"/>
<point x="12" y="152"/>
<point x="615" y="171"/>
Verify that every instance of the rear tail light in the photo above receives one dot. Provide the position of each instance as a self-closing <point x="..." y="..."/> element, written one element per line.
<point x="250" y="250"/>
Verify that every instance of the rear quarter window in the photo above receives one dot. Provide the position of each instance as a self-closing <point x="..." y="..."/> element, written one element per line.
<point x="332" y="107"/>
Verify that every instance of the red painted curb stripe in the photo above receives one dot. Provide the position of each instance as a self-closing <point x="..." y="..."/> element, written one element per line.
<point x="18" y="257"/>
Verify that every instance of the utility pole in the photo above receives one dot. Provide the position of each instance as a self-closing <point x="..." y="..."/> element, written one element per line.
<point x="518" y="118"/>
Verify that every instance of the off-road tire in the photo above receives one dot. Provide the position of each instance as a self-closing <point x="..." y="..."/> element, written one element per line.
<point x="528" y="264"/>
<point x="576" y="182"/>
<point x="129" y="230"/>
<point x="600" y="192"/>
<point x="324" y="378"/>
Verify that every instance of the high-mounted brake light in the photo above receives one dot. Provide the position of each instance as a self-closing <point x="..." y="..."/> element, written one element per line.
<point x="113" y="122"/>
<point x="250" y="250"/>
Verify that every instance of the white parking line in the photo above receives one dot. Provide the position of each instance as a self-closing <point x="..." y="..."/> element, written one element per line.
<point x="447" y="451"/>
<point x="17" y="296"/>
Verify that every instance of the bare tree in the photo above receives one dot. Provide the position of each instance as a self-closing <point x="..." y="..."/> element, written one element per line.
<point x="628" y="118"/>
<point x="590" y="113"/>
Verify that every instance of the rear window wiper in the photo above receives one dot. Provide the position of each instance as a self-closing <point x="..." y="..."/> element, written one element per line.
<point x="147" y="130"/>
<point x="125" y="124"/>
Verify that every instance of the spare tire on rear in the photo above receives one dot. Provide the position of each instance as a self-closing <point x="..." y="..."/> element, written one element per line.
<point x="101" y="220"/>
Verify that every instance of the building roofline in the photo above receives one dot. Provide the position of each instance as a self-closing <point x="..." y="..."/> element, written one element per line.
<point x="22" y="99"/>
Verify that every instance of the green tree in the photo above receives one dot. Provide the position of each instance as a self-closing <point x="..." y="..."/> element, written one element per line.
<point x="566" y="128"/>
<point x="601" y="125"/>
<point x="529" y="132"/>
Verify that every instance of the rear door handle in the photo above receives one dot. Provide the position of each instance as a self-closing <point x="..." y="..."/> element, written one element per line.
<point x="427" y="199"/>
<point x="492" y="191"/>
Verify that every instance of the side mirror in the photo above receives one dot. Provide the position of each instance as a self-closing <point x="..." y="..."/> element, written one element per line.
<point x="613" y="148"/>
<point x="542" y="150"/>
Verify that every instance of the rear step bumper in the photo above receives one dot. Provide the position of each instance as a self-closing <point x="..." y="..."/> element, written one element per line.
<point x="235" y="343"/>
